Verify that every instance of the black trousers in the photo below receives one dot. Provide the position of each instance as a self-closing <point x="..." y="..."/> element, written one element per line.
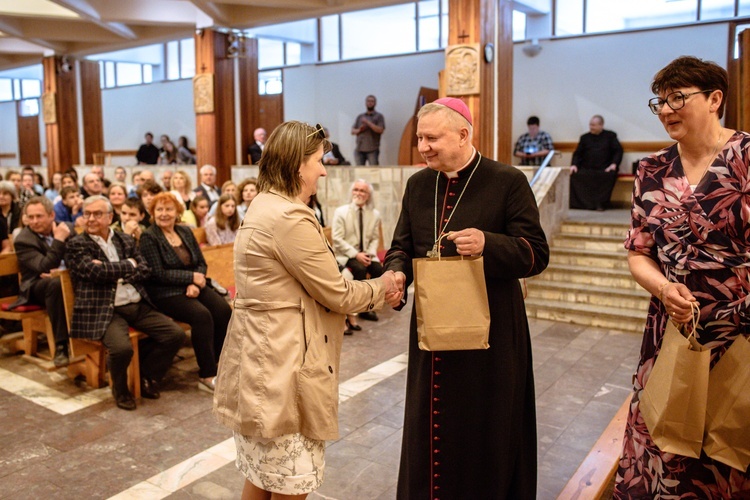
<point x="165" y="338"/>
<point x="47" y="292"/>
<point x="359" y="271"/>
<point x="208" y="316"/>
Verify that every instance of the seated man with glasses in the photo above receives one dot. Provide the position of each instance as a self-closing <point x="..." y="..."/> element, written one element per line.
<point x="593" y="170"/>
<point x="108" y="273"/>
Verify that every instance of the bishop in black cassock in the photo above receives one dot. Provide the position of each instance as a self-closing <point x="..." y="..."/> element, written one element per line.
<point x="470" y="418"/>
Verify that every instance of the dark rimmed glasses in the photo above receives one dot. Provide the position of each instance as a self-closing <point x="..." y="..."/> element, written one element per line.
<point x="318" y="130"/>
<point x="675" y="100"/>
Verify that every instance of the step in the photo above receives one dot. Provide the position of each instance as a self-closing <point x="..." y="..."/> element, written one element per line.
<point x="606" y="229"/>
<point x="589" y="242"/>
<point x="629" y="320"/>
<point x="586" y="294"/>
<point x="614" y="278"/>
<point x="602" y="259"/>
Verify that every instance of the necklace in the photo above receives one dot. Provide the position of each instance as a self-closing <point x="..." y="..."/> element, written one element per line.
<point x="434" y="251"/>
<point x="173" y="239"/>
<point x="710" y="159"/>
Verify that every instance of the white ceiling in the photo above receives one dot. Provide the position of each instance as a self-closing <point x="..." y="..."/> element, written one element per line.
<point x="32" y="29"/>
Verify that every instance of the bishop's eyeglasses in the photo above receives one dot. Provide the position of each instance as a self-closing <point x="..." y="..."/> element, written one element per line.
<point x="675" y="100"/>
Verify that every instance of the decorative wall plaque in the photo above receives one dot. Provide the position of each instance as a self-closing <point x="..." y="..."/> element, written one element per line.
<point x="49" y="112"/>
<point x="462" y="69"/>
<point x="203" y="93"/>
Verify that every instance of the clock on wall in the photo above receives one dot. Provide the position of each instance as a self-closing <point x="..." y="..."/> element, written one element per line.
<point x="489" y="52"/>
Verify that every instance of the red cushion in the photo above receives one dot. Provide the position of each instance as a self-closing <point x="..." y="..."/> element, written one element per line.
<point x="232" y="291"/>
<point x="23" y="308"/>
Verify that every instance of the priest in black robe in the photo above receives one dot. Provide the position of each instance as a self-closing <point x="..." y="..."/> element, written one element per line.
<point x="593" y="170"/>
<point x="470" y="417"/>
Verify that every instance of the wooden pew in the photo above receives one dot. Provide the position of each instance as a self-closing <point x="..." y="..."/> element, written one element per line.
<point x="596" y="472"/>
<point x="220" y="262"/>
<point x="88" y="356"/>
<point x="34" y="321"/>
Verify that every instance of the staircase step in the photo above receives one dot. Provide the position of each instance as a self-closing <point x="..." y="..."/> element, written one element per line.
<point x="589" y="258"/>
<point x="614" y="278"/>
<point x="609" y="229"/>
<point x="630" y="320"/>
<point x="586" y="294"/>
<point x="607" y="243"/>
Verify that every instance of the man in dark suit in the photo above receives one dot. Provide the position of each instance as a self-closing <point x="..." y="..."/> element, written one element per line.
<point x="207" y="187"/>
<point x="40" y="247"/>
<point x="255" y="150"/>
<point x="108" y="273"/>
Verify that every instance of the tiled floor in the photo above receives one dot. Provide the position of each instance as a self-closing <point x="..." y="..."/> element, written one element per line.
<point x="61" y="440"/>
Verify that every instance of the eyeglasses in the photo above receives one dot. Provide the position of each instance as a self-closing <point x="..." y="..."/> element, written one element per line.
<point x="675" y="100"/>
<point x="96" y="215"/>
<point x="318" y="130"/>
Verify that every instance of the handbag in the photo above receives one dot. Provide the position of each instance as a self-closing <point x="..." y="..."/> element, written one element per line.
<point x="726" y="438"/>
<point x="450" y="297"/>
<point x="673" y="402"/>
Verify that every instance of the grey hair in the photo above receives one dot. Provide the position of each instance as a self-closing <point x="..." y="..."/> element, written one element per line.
<point x="209" y="167"/>
<point x="97" y="197"/>
<point x="8" y="187"/>
<point x="370" y="202"/>
<point x="40" y="200"/>
<point x="452" y="117"/>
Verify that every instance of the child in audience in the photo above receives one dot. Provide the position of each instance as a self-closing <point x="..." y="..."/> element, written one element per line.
<point x="222" y="227"/>
<point x="70" y="206"/>
<point x="131" y="215"/>
<point x="196" y="216"/>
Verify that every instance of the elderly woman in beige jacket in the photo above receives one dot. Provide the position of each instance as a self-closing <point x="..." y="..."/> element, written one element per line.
<point x="277" y="386"/>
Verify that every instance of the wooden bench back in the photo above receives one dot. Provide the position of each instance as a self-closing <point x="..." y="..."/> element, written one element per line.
<point x="67" y="292"/>
<point x="200" y="235"/>
<point x="8" y="264"/>
<point x="220" y="262"/>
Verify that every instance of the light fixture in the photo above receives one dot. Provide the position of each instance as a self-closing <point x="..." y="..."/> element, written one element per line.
<point x="236" y="44"/>
<point x="532" y="49"/>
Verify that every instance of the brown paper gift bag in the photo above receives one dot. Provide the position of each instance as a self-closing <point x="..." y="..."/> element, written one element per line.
<point x="451" y="300"/>
<point x="673" y="403"/>
<point x="727" y="435"/>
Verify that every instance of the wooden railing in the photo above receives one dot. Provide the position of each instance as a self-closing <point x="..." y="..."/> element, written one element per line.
<point x="627" y="146"/>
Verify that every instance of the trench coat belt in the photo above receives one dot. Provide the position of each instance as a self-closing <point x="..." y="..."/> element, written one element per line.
<point x="258" y="305"/>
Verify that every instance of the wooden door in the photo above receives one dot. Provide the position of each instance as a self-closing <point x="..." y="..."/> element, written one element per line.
<point x="271" y="108"/>
<point x="29" y="147"/>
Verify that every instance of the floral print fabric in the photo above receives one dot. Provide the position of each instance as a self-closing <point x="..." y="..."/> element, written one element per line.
<point x="291" y="464"/>
<point x="700" y="238"/>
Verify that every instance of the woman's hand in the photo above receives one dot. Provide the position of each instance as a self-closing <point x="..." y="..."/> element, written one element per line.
<point x="199" y="280"/>
<point x="678" y="300"/>
<point x="394" y="290"/>
<point x="192" y="291"/>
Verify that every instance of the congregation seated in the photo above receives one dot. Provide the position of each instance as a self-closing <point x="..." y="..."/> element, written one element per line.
<point x="146" y="192"/>
<point x="355" y="232"/>
<point x="117" y="195"/>
<point x="246" y="192"/>
<point x="196" y="215"/>
<point x="92" y="185"/>
<point x="222" y="227"/>
<point x="9" y="207"/>
<point x="182" y="189"/>
<point x="108" y="274"/>
<point x="179" y="287"/>
<point x="53" y="191"/>
<point x="230" y="188"/>
<point x="207" y="187"/>
<point x="70" y="206"/>
<point x="40" y="248"/>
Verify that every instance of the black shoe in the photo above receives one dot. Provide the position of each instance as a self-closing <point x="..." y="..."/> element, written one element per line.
<point x="150" y="389"/>
<point x="61" y="357"/>
<point x="348" y="332"/>
<point x="354" y="328"/>
<point x="125" y="401"/>
<point x="369" y="316"/>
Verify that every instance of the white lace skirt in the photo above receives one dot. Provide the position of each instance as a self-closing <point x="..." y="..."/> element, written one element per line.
<point x="291" y="464"/>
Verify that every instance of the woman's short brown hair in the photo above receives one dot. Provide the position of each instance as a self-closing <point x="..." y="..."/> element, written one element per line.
<point x="288" y="146"/>
<point x="689" y="71"/>
<point x="166" y="197"/>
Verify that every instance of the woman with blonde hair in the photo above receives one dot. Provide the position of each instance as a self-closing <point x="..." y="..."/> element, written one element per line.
<point x="246" y="192"/>
<point x="277" y="386"/>
<point x="181" y="188"/>
<point x="222" y="227"/>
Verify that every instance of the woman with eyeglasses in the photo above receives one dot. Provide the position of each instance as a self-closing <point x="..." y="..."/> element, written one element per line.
<point x="688" y="244"/>
<point x="277" y="386"/>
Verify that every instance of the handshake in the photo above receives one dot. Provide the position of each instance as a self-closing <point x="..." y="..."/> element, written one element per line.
<point x="394" y="287"/>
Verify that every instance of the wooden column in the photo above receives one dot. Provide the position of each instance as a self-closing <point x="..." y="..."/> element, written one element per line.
<point x="249" y="99"/>
<point x="61" y="115"/>
<point x="215" y="129"/>
<point x="91" y="106"/>
<point x="484" y="22"/>
<point x="743" y="90"/>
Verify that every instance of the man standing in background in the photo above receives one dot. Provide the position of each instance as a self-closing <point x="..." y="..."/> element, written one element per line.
<point x="368" y="127"/>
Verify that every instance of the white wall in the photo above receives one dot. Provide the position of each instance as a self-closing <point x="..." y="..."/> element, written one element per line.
<point x="161" y="108"/>
<point x="334" y="94"/>
<point x="573" y="79"/>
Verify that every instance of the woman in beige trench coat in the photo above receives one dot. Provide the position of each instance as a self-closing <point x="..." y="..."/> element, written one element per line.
<point x="277" y="386"/>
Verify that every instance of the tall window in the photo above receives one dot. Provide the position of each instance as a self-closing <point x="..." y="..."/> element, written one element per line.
<point x="387" y="30"/>
<point x="329" y="38"/>
<point x="569" y="17"/>
<point x="269" y="82"/>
